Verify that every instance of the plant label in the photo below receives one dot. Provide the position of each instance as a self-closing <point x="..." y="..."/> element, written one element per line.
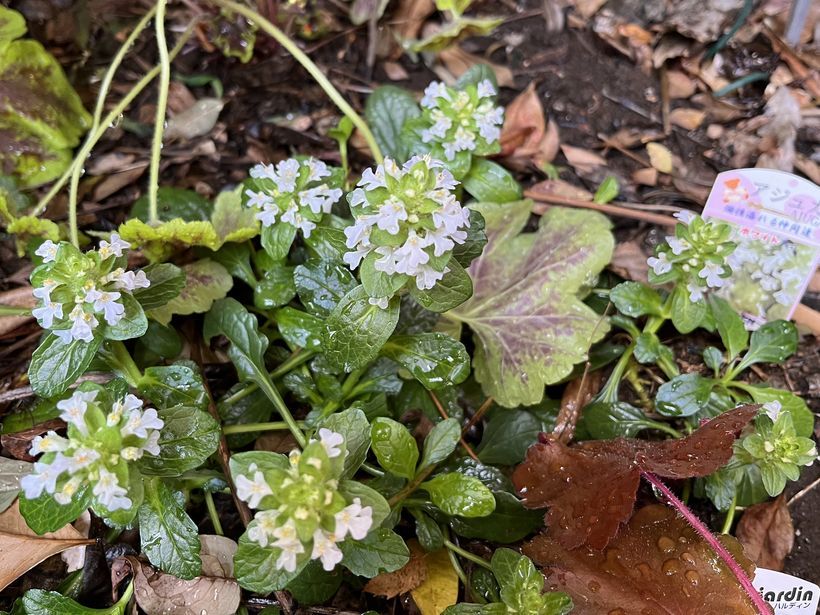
<point x="788" y="595"/>
<point x="776" y="221"/>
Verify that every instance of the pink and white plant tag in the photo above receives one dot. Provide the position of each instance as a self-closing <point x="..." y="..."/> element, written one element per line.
<point x="776" y="221"/>
<point x="788" y="595"/>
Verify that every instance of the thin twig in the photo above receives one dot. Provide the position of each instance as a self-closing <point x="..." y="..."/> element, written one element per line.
<point x="796" y="497"/>
<point x="445" y="416"/>
<point x="615" y="209"/>
<point x="25" y="392"/>
<point x="482" y="410"/>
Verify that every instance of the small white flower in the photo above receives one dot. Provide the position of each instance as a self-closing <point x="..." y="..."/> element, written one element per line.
<point x="353" y="519"/>
<point x="485" y="88"/>
<point x="49" y="443"/>
<point x="82" y="458"/>
<point x="354" y="259"/>
<point x="151" y="445"/>
<point x="316" y="170"/>
<point x="357" y="198"/>
<point x="120" y="407"/>
<point x="387" y="262"/>
<point x="258" y="199"/>
<point x="426" y="277"/>
<point x="435" y="90"/>
<point x="319" y="199"/>
<point x="64" y="495"/>
<point x="115" y="247"/>
<point x="109" y="492"/>
<point x="288" y="173"/>
<point x="44" y="291"/>
<point x="440" y="240"/>
<point x="445" y="180"/>
<point x="47" y="250"/>
<point x="678" y="246"/>
<point x="131" y="280"/>
<point x="263" y="529"/>
<point x="294" y="218"/>
<point x="252" y="490"/>
<point x="391" y="213"/>
<point x="711" y="273"/>
<point x="264" y="171"/>
<point x="139" y="423"/>
<point x="783" y="297"/>
<point x="371" y="180"/>
<point x="660" y="264"/>
<point x="74" y="408"/>
<point x="83" y="324"/>
<point x="44" y="478"/>
<point x="684" y="215"/>
<point x="288" y="541"/>
<point x="358" y="232"/>
<point x="772" y="409"/>
<point x="451" y="216"/>
<point x="380" y="302"/>
<point x="331" y="441"/>
<point x="131" y="453"/>
<point x="411" y="255"/>
<point x="106" y="302"/>
<point x="48" y="313"/>
<point x="695" y="292"/>
<point x="325" y="549"/>
<point x="268" y="214"/>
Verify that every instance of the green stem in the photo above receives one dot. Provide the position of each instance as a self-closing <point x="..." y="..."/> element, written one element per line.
<point x="457" y="567"/>
<point x="229" y="430"/>
<point x="272" y="393"/>
<point x="213" y="514"/>
<point x="159" y="119"/>
<point x="13" y="310"/>
<point x="310" y="67"/>
<point x="730" y="516"/>
<point x="372" y="470"/>
<point x="349" y="384"/>
<point x="467" y="555"/>
<point x="412" y="485"/>
<point x="119" y="359"/>
<point x="295" y="360"/>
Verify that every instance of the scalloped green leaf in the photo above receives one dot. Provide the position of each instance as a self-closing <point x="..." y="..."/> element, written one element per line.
<point x="205" y="282"/>
<point x="526" y="312"/>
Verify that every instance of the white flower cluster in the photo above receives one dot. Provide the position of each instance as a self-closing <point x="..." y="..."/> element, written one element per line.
<point x="292" y="192"/>
<point x="70" y="304"/>
<point x="95" y="452"/>
<point x="407" y="219"/>
<point x="461" y="120"/>
<point x="695" y="255"/>
<point x="304" y="512"/>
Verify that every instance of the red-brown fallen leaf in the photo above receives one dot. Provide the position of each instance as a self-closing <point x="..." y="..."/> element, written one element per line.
<point x="18" y="444"/>
<point x="767" y="533"/>
<point x="526" y="136"/>
<point x="590" y="488"/>
<point x="401" y="581"/>
<point x="657" y="565"/>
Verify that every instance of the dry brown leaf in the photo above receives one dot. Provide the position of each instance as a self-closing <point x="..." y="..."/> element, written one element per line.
<point x="276" y="441"/>
<point x="656" y="565"/>
<point x="395" y="71"/>
<point x="660" y="157"/>
<point x="440" y="589"/>
<point x="409" y="17"/>
<point x="18" y="297"/>
<point x="195" y="121"/>
<point x="582" y="160"/>
<point x="629" y="261"/>
<point x="526" y="137"/>
<point x="681" y="85"/>
<point x="766" y="533"/>
<point x="19" y="443"/>
<point x="217" y="555"/>
<point x="646" y="177"/>
<point x="117" y="181"/>
<point x="180" y="97"/>
<point x="403" y="580"/>
<point x="688" y="119"/>
<point x="22" y="549"/>
<point x="158" y="592"/>
<point x="459" y="62"/>
<point x="587" y="8"/>
<point x="564" y="189"/>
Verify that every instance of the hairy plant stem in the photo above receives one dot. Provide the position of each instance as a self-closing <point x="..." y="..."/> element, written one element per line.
<point x="116" y="355"/>
<point x="229" y="430"/>
<point x="159" y="119"/>
<point x="467" y="555"/>
<point x="308" y="64"/>
<point x="213" y="514"/>
<point x="730" y="516"/>
<point x="757" y="600"/>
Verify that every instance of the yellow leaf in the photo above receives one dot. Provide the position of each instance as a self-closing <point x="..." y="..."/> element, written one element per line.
<point x="440" y="589"/>
<point x="659" y="157"/>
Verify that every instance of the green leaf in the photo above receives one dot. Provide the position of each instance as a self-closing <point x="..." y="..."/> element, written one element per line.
<point x="435" y="359"/>
<point x="159" y="342"/>
<point x="378" y="283"/>
<point x="522" y="585"/>
<point x="457" y="494"/>
<point x="321" y="285"/>
<point x="386" y="111"/>
<point x="255" y="567"/>
<point x="475" y="75"/>
<point x="228" y="317"/>
<point x="356" y="331"/>
<point x="456" y="30"/>
<point x="507" y="437"/>
<point x="451" y="291"/>
<point x="173" y="385"/>
<point x="351" y="489"/>
<point x="231" y="220"/>
<point x="253" y="407"/>
<point x="299" y="328"/>
<point x="648" y="349"/>
<point x="41" y="602"/>
<point x="604" y="420"/>
<point x="328" y="242"/>
<point x="607" y="191"/>
<point x="277" y="239"/>
<point x="205" y="282"/>
<point x="802" y="417"/>
<point x="713" y="358"/>
<point x="236" y="258"/>
<point x="55" y="365"/>
<point x="683" y="395"/>
<point x="489" y="182"/>
<point x="133" y="324"/>
<point x="730" y="326"/>
<point x="440" y="442"/>
<point x="275" y="288"/>
<point x="635" y="299"/>
<point x="465" y="608"/>
<point x="174" y="203"/>
<point x="12" y="25"/>
<point x="382" y="550"/>
<point x="240" y="463"/>
<point x="314" y="585"/>
<point x="352" y="424"/>
<point x="427" y="531"/>
<point x="465" y="253"/>
<point x="509" y="522"/>
<point x="394" y="447"/>
<point x="686" y="314"/>
<point x="42" y="118"/>
<point x="44" y="514"/>
<point x="188" y="438"/>
<point x="771" y="343"/>
<point x="526" y="313"/>
<point x="168" y="537"/>
<point x="167" y="281"/>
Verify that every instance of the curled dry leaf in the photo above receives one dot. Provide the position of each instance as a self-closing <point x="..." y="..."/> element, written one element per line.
<point x="18" y="444"/>
<point x="660" y="157"/>
<point x="590" y="488"/>
<point x="459" y="62"/>
<point x="688" y="119"/>
<point x="217" y="555"/>
<point x="559" y="187"/>
<point x="582" y="160"/>
<point x="440" y="588"/>
<point x="403" y="580"/>
<point x="656" y="565"/>
<point x="629" y="261"/>
<point x="18" y="297"/>
<point x="766" y="532"/>
<point x="526" y="137"/>
<point x="196" y="121"/>
<point x="22" y="549"/>
<point x="158" y="592"/>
